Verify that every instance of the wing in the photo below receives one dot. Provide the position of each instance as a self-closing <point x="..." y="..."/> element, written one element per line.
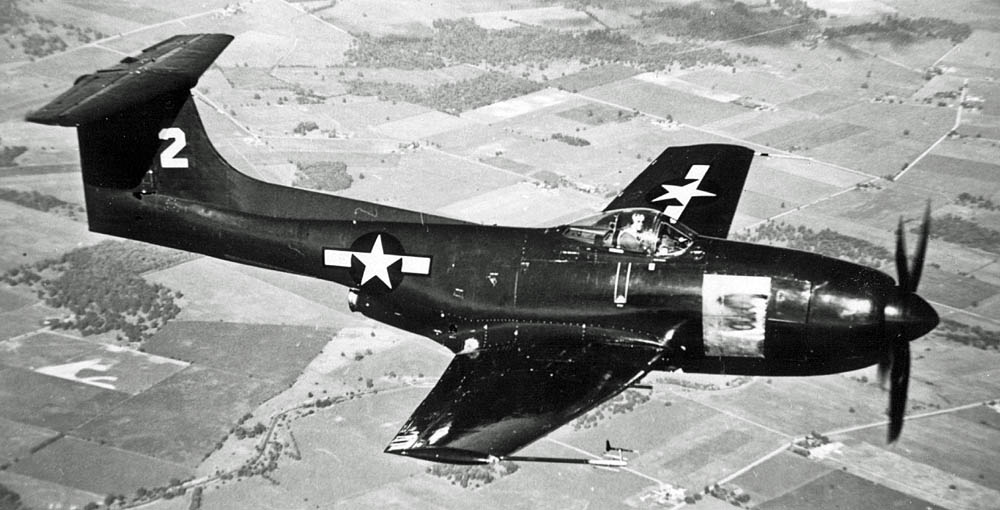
<point x="697" y="185"/>
<point x="494" y="401"/>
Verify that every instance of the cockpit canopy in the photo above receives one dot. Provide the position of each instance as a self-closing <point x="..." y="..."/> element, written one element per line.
<point x="637" y="230"/>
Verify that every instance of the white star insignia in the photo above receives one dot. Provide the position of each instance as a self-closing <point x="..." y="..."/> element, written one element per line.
<point x="377" y="262"/>
<point x="683" y="194"/>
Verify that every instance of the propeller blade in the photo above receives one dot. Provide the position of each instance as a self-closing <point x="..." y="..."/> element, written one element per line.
<point x="902" y="268"/>
<point x="883" y="371"/>
<point x="900" y="382"/>
<point x="918" y="258"/>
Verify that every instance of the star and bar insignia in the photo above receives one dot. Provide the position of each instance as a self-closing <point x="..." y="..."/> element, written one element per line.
<point x="681" y="194"/>
<point x="377" y="262"/>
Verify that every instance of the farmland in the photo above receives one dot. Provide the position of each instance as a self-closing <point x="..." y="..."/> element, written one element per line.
<point x="480" y="111"/>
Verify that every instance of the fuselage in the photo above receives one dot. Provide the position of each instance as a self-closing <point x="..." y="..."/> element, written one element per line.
<point x="717" y="306"/>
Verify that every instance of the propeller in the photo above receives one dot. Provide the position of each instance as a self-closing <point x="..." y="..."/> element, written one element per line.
<point x="907" y="316"/>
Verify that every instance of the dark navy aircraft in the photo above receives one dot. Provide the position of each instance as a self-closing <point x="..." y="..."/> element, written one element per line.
<point x="545" y="323"/>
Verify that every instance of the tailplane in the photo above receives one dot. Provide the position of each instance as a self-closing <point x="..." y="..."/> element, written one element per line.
<point x="140" y="135"/>
<point x="137" y="121"/>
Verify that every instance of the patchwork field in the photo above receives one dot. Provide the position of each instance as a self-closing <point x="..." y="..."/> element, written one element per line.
<point x="864" y="129"/>
<point x="259" y="350"/>
<point x="69" y="462"/>
<point x="180" y="419"/>
<point x="50" y="402"/>
<point x="838" y="489"/>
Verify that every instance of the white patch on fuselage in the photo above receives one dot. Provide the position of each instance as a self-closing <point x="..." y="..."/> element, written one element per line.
<point x="734" y="313"/>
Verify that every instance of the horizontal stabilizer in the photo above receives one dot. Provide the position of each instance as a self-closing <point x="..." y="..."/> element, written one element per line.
<point x="172" y="65"/>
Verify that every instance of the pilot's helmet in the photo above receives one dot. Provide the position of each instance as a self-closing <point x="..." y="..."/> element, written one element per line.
<point x="638" y="218"/>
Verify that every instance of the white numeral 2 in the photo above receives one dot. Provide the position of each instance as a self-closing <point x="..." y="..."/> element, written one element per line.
<point x="168" y="158"/>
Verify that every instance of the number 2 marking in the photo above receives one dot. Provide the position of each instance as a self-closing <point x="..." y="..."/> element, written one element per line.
<point x="168" y="158"/>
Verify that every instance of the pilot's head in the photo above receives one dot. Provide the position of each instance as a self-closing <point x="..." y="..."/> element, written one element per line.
<point x="638" y="219"/>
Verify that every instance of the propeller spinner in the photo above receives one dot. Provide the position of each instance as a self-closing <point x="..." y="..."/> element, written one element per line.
<point x="907" y="317"/>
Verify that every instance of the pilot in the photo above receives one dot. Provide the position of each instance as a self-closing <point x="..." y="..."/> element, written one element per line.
<point x="670" y="245"/>
<point x="634" y="236"/>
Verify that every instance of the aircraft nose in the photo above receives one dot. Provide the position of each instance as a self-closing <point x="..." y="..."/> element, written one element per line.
<point x="911" y="316"/>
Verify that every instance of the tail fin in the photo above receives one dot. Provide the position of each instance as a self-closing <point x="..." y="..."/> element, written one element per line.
<point x="140" y="133"/>
<point x="130" y="113"/>
<point x="697" y="185"/>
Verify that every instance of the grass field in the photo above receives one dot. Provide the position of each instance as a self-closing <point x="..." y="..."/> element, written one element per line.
<point x="837" y="489"/>
<point x="12" y="299"/>
<point x="593" y="77"/>
<point x="510" y="205"/>
<point x="983" y="151"/>
<point x="753" y="122"/>
<point x="422" y="126"/>
<point x="779" y="475"/>
<point x="954" y="290"/>
<point x="341" y="449"/>
<point x="780" y="403"/>
<point x="663" y="101"/>
<point x="821" y="103"/>
<point x="808" y="133"/>
<point x="956" y="374"/>
<point x="426" y="180"/>
<point x="755" y="84"/>
<point x="85" y="14"/>
<point x="44" y="494"/>
<point x="24" y="320"/>
<point x="262" y="351"/>
<point x="27" y="236"/>
<point x="793" y="190"/>
<point x="71" y="462"/>
<point x="60" y="181"/>
<point x="897" y="472"/>
<point x="379" y="18"/>
<point x="253" y="78"/>
<point x="18" y="439"/>
<point x="934" y="442"/>
<point x="517" y="106"/>
<point x="976" y="55"/>
<point x="878" y="208"/>
<point x="239" y="300"/>
<point x="686" y="443"/>
<point x="921" y="123"/>
<point x="411" y="358"/>
<point x="49" y="402"/>
<point x="953" y="175"/>
<point x="875" y="153"/>
<point x="44" y="349"/>
<point x="596" y="114"/>
<point x="327" y="294"/>
<point x="358" y="115"/>
<point x="110" y="366"/>
<point x="180" y="419"/>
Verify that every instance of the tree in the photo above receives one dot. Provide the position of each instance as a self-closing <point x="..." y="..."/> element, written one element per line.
<point x="305" y="127"/>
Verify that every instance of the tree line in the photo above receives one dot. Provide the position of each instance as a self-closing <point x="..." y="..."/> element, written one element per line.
<point x="102" y="289"/>
<point x="905" y="30"/>
<point x="463" y="41"/>
<point x="826" y="242"/>
<point x="453" y="98"/>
